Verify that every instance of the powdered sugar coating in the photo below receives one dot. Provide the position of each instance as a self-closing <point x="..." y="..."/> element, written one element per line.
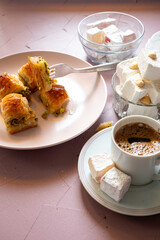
<point x="115" y="183"/>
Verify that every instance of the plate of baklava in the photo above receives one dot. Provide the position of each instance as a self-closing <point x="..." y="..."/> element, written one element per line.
<point x="38" y="111"/>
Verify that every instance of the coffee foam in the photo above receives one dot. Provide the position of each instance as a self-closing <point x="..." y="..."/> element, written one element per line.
<point x="138" y="139"/>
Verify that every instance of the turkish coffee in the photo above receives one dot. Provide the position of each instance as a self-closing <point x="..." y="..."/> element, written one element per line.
<point x="138" y="139"/>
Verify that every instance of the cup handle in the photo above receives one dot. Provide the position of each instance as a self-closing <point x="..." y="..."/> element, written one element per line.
<point x="156" y="176"/>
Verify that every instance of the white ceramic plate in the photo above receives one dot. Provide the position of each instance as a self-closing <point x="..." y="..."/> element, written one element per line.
<point x="138" y="201"/>
<point x="88" y="94"/>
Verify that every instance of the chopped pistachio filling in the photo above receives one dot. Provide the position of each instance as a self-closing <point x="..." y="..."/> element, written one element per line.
<point x="24" y="77"/>
<point x="59" y="111"/>
<point x="45" y="115"/>
<point x="15" y="121"/>
<point x="25" y="93"/>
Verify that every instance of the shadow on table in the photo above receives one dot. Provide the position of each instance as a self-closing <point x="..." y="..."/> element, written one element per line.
<point x="118" y="226"/>
<point x="42" y="164"/>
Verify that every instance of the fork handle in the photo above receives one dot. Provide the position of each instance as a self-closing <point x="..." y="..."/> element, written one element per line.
<point x="97" y="68"/>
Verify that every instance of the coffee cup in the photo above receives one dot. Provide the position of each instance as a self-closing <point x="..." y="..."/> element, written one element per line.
<point x="141" y="168"/>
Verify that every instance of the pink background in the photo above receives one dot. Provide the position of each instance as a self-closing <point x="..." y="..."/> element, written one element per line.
<point x="41" y="196"/>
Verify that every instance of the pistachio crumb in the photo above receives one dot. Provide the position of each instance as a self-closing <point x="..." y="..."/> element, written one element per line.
<point x="134" y="66"/>
<point x="45" y="115"/>
<point x="140" y="83"/>
<point x="152" y="56"/>
<point x="145" y="100"/>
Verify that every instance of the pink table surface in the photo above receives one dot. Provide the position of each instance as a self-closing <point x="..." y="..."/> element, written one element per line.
<point x="41" y="196"/>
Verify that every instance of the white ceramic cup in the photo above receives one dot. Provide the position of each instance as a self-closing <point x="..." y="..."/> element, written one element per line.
<point x="141" y="168"/>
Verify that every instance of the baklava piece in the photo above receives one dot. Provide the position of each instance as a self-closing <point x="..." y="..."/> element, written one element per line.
<point x="55" y="99"/>
<point x="17" y="114"/>
<point x="10" y="83"/>
<point x="27" y="77"/>
<point x="41" y="71"/>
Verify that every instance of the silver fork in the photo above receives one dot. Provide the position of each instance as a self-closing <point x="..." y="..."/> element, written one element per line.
<point x="62" y="69"/>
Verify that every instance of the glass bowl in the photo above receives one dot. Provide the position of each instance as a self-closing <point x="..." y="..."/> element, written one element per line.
<point x="123" y="107"/>
<point x="101" y="53"/>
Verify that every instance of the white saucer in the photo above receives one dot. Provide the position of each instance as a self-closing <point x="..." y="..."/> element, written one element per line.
<point x="138" y="201"/>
